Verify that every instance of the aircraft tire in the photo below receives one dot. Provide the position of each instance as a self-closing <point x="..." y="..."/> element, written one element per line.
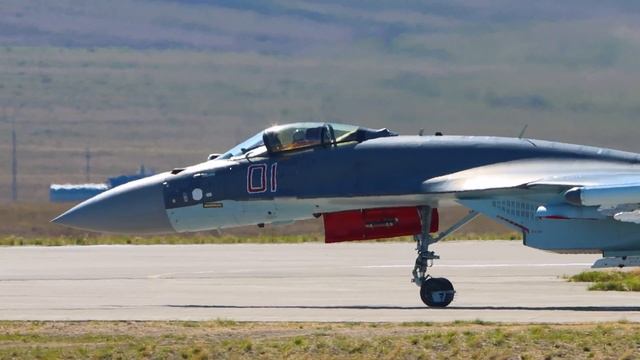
<point x="437" y="292"/>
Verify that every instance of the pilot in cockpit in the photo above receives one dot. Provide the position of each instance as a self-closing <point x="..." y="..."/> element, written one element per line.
<point x="305" y="137"/>
<point x="299" y="137"/>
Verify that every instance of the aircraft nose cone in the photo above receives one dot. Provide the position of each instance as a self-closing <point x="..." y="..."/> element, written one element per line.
<point x="133" y="208"/>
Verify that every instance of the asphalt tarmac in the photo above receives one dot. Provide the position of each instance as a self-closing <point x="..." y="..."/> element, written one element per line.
<point x="501" y="281"/>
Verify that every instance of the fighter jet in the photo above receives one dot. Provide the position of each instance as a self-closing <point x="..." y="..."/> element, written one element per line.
<point x="372" y="184"/>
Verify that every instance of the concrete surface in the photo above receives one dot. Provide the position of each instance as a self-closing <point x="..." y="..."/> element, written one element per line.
<point x="495" y="281"/>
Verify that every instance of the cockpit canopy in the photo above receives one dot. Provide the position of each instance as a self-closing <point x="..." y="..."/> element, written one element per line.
<point x="297" y="136"/>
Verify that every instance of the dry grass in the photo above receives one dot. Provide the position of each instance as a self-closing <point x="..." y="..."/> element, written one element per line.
<point x="229" y="339"/>
<point x="610" y="280"/>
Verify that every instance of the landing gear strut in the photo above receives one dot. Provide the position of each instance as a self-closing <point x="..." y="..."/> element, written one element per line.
<point x="434" y="292"/>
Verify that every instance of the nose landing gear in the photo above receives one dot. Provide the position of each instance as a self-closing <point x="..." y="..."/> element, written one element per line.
<point x="434" y="292"/>
<point x="437" y="292"/>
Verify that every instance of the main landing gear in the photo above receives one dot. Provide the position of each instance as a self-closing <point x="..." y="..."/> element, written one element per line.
<point x="434" y="292"/>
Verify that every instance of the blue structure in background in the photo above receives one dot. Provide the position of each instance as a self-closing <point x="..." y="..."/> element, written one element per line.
<point x="81" y="192"/>
<point x="74" y="192"/>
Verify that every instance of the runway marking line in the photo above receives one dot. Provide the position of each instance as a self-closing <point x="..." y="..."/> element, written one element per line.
<point x="165" y="275"/>
<point x="172" y="274"/>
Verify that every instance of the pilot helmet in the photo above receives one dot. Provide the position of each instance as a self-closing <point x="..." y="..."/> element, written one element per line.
<point x="299" y="136"/>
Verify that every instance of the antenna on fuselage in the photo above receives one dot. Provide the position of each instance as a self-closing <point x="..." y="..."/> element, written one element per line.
<point x="524" y="129"/>
<point x="421" y="132"/>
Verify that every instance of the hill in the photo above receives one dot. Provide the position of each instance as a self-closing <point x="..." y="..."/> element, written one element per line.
<point x="166" y="82"/>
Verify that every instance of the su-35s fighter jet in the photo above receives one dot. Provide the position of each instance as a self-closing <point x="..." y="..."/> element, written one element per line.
<point x="372" y="184"/>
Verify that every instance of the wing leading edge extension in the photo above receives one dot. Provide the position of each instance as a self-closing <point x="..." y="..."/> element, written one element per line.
<point x="531" y="173"/>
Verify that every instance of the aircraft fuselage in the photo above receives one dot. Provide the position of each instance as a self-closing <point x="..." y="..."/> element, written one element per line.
<point x="384" y="172"/>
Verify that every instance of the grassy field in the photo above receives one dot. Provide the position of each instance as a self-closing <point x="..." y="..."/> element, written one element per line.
<point x="28" y="224"/>
<point x="231" y="340"/>
<point x="610" y="280"/>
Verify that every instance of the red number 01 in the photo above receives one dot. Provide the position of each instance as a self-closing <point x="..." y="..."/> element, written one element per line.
<point x="259" y="179"/>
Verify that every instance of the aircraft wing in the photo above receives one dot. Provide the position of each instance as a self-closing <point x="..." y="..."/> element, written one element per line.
<point x="531" y="173"/>
<point x="611" y="188"/>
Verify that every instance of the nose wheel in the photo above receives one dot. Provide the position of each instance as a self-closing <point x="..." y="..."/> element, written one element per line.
<point x="434" y="292"/>
<point x="437" y="292"/>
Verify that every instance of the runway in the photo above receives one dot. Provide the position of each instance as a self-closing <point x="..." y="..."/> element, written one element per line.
<point x="500" y="281"/>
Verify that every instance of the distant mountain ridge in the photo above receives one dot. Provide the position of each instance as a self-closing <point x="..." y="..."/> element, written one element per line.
<point x="269" y="25"/>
